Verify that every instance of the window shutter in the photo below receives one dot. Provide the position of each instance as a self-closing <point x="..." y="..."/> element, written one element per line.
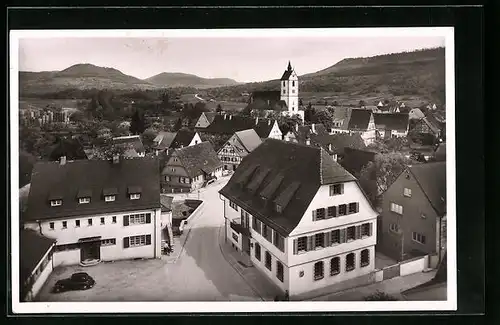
<point x="148" y="217"/>
<point x="309" y="246"/>
<point x="326" y="237"/>
<point x="148" y="239"/>
<point x="295" y="247"/>
<point x="125" y="220"/>
<point x="370" y="229"/>
<point x="125" y="242"/>
<point x="314" y="215"/>
<point x="357" y="207"/>
<point x="342" y="235"/>
<point x="342" y="188"/>
<point x="334" y="208"/>
<point x="358" y="232"/>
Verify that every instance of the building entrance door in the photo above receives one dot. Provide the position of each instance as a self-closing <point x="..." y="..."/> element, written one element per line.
<point x="90" y="250"/>
<point x="246" y="244"/>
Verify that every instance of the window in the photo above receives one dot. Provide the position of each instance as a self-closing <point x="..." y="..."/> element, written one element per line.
<point x="267" y="233"/>
<point x="135" y="196"/>
<point x="56" y="203"/>
<point x="419" y="238"/>
<point x="167" y="179"/>
<point x="332" y="212"/>
<point x="320" y="214"/>
<point x="293" y="83"/>
<point x="351" y="233"/>
<point x="335" y="266"/>
<point x="77" y="223"/>
<point x="141" y="240"/>
<point x="365" y="257"/>
<point x="233" y="205"/>
<point x="319" y="270"/>
<point x="302" y="244"/>
<point x="293" y="91"/>
<point x="114" y="219"/>
<point x="109" y="198"/>
<point x="64" y="224"/>
<point x="89" y="222"/>
<point x="396" y="208"/>
<point x="279" y="270"/>
<point x="278" y="208"/>
<point x="353" y="207"/>
<point x="235" y="237"/>
<point x="342" y="210"/>
<point x="84" y="200"/>
<point x="394" y="227"/>
<point x="140" y="218"/>
<point x="335" y="236"/>
<point x="350" y="262"/>
<point x="268" y="260"/>
<point x="173" y="170"/>
<point x="336" y="189"/>
<point x="108" y="242"/>
<point x="257" y="225"/>
<point x="102" y="220"/>
<point x="365" y="229"/>
<point x="407" y="192"/>
<point x="257" y="251"/>
<point x="423" y="216"/>
<point x="319" y="240"/>
<point x="51" y="225"/>
<point x="279" y="241"/>
<point x="284" y="84"/>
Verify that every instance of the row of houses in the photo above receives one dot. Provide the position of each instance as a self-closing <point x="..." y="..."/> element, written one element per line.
<point x="30" y="117"/>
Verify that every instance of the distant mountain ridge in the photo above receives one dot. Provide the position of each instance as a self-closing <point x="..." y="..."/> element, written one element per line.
<point x="178" y="79"/>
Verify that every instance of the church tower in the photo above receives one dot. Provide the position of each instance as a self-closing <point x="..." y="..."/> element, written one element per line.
<point x="290" y="89"/>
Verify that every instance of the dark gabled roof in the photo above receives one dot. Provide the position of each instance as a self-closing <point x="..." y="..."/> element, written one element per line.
<point x="198" y="158"/>
<point x="166" y="203"/>
<point x="440" y="154"/>
<point x="264" y="127"/>
<point x="65" y="181"/>
<point x="164" y="139"/>
<point x="359" y="119"/>
<point x="229" y="124"/>
<point x="431" y="124"/>
<point x="33" y="248"/>
<point x="354" y="159"/>
<point x="391" y="121"/>
<point x="131" y="142"/>
<point x="340" y="141"/>
<point x="71" y="148"/>
<point x="285" y="173"/>
<point x="249" y="139"/>
<point x="431" y="178"/>
<point x="342" y="114"/>
<point x="183" y="138"/>
<point x="210" y="116"/>
<point x="265" y="95"/>
<point x="288" y="72"/>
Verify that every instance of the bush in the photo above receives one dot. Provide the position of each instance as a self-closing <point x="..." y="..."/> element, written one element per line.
<point x="380" y="296"/>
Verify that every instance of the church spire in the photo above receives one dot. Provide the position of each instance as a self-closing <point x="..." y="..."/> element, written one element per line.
<point x="289" y="66"/>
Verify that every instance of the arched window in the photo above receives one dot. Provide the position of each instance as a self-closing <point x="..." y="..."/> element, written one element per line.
<point x="335" y="266"/>
<point x="350" y="262"/>
<point x="284" y="84"/>
<point x="319" y="270"/>
<point x="365" y="257"/>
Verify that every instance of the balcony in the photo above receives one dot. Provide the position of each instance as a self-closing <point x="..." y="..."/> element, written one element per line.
<point x="239" y="228"/>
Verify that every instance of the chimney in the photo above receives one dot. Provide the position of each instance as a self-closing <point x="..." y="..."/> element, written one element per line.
<point x="296" y="127"/>
<point x="256" y="120"/>
<point x="313" y="129"/>
<point x="116" y="159"/>
<point x="308" y="141"/>
<point x="63" y="160"/>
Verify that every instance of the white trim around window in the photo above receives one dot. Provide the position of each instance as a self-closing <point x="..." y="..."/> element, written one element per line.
<point x="56" y="203"/>
<point x="109" y="198"/>
<point x="84" y="200"/>
<point x="135" y="196"/>
<point x="396" y="208"/>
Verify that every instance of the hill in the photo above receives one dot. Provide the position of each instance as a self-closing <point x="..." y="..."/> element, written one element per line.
<point x="176" y="79"/>
<point x="418" y="75"/>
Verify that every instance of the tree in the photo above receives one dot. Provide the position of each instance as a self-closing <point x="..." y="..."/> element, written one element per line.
<point x="323" y="117"/>
<point x="148" y="137"/>
<point x="178" y="125"/>
<point x="362" y="103"/>
<point x="26" y="163"/>
<point x="335" y="103"/>
<point x="300" y="102"/>
<point x="309" y="113"/>
<point x="376" y="177"/>
<point x="137" y="125"/>
<point x="77" y="116"/>
<point x="219" y="108"/>
<point x="380" y="296"/>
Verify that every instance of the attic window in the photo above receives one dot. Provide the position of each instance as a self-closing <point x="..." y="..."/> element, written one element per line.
<point x="279" y="208"/>
<point x="84" y="200"/>
<point x="55" y="203"/>
<point x="109" y="198"/>
<point x="135" y="196"/>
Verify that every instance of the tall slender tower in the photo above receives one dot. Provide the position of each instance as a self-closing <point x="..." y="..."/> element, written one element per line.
<point x="290" y="89"/>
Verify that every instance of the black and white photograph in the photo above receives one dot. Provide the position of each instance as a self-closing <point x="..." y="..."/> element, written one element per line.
<point x="233" y="170"/>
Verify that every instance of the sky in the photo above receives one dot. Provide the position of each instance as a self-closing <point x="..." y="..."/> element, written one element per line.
<point x="242" y="59"/>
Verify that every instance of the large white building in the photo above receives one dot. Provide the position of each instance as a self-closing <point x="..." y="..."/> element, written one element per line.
<point x="303" y="219"/>
<point x="97" y="210"/>
<point x="290" y="92"/>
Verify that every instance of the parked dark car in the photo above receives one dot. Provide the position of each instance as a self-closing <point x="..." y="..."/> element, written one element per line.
<point x="77" y="281"/>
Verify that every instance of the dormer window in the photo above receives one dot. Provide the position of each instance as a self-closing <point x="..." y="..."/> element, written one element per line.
<point x="109" y="198"/>
<point x="134" y="192"/>
<point x="279" y="208"/>
<point x="135" y="196"/>
<point x="55" y="203"/>
<point x="84" y="200"/>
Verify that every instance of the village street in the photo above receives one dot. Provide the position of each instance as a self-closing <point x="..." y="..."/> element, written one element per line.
<point x="199" y="274"/>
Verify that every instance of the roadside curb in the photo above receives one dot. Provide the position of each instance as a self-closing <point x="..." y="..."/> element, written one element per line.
<point x="221" y="231"/>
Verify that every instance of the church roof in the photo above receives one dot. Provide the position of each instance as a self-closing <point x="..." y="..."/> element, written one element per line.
<point x="288" y="72"/>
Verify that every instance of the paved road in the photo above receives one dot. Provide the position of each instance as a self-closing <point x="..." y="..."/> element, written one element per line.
<point x="200" y="274"/>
